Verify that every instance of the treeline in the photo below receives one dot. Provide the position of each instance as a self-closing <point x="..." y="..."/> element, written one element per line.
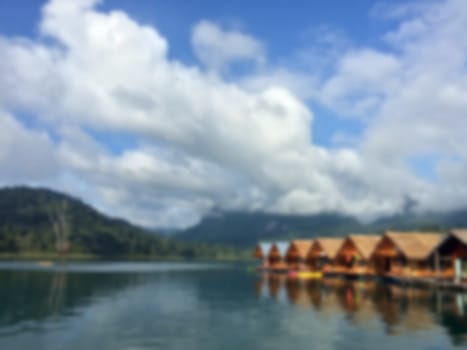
<point x="27" y="226"/>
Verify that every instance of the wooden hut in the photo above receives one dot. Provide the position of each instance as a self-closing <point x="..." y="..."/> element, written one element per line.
<point x="296" y="254"/>
<point x="406" y="254"/>
<point x="354" y="256"/>
<point x="262" y="250"/>
<point x="452" y="254"/>
<point x="277" y="256"/>
<point x="322" y="253"/>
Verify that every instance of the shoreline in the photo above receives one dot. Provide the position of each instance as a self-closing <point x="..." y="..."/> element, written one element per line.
<point x="42" y="256"/>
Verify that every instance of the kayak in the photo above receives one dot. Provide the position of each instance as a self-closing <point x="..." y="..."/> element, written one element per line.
<point x="309" y="275"/>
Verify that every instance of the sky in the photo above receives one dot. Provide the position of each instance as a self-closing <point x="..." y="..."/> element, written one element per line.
<point x="160" y="112"/>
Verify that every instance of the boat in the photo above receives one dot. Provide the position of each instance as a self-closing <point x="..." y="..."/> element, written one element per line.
<point x="306" y="275"/>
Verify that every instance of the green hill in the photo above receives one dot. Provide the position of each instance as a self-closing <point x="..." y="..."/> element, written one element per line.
<point x="26" y="228"/>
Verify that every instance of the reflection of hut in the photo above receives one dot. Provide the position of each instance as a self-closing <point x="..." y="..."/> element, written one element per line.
<point x="333" y="283"/>
<point x="275" y="283"/>
<point x="262" y="252"/>
<point x="261" y="287"/>
<point x="348" y="297"/>
<point x="330" y="303"/>
<point x="356" y="298"/>
<point x="453" y="316"/>
<point x="403" y="315"/>
<point x="353" y="257"/>
<point x="452" y="253"/>
<point x="404" y="309"/>
<point x="293" y="289"/>
<point x="365" y="314"/>
<point x="315" y="291"/>
<point x="417" y="318"/>
<point x="277" y="256"/>
<point x="297" y="293"/>
<point x="323" y="297"/>
<point x="403" y="254"/>
<point x="410" y="295"/>
<point x="297" y="253"/>
<point x="387" y="306"/>
<point x="354" y="294"/>
<point x="322" y="253"/>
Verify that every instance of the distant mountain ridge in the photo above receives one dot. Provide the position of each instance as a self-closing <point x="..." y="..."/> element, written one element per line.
<point x="245" y="229"/>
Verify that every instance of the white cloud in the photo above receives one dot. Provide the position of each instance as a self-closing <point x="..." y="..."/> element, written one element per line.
<point x="363" y="80"/>
<point x="217" y="48"/>
<point x="25" y="155"/>
<point x="203" y="142"/>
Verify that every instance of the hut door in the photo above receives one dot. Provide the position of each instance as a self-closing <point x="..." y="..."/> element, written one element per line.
<point x="387" y="265"/>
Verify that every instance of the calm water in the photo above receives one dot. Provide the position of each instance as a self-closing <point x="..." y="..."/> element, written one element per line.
<point x="194" y="306"/>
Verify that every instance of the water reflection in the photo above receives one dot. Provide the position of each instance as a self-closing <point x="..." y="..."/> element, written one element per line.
<point x="177" y="307"/>
<point x="35" y="296"/>
<point x="402" y="310"/>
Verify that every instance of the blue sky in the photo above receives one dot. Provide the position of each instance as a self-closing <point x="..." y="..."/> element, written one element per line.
<point x="159" y="111"/>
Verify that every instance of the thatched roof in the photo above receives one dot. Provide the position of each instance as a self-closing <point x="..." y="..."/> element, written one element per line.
<point x="302" y="246"/>
<point x="330" y="246"/>
<point x="460" y="234"/>
<point x="278" y="249"/>
<point x="365" y="244"/>
<point x="415" y="245"/>
<point x="263" y="249"/>
<point x="281" y="247"/>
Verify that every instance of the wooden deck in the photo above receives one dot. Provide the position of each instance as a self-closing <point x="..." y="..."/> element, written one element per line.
<point x="355" y="272"/>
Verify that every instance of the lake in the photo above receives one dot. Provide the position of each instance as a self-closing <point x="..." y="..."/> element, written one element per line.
<point x="137" y="306"/>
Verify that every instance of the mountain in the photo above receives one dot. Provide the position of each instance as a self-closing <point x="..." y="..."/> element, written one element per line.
<point x="26" y="226"/>
<point x="245" y="229"/>
<point x="27" y="217"/>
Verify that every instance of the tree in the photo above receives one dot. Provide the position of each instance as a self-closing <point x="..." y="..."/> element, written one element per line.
<point x="59" y="219"/>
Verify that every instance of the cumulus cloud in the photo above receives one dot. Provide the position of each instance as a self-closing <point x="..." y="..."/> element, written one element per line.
<point x="217" y="48"/>
<point x="25" y="155"/>
<point x="204" y="142"/>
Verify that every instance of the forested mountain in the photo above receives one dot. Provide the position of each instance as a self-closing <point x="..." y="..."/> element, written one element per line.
<point x="27" y="219"/>
<point x="244" y="229"/>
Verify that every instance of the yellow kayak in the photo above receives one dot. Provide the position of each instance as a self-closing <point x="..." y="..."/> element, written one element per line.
<point x="309" y="275"/>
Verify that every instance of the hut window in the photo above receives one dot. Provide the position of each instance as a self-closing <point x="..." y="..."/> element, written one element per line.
<point x="445" y="263"/>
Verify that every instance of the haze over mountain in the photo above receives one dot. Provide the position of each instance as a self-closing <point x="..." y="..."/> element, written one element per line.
<point x="160" y="111"/>
<point x="245" y="229"/>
